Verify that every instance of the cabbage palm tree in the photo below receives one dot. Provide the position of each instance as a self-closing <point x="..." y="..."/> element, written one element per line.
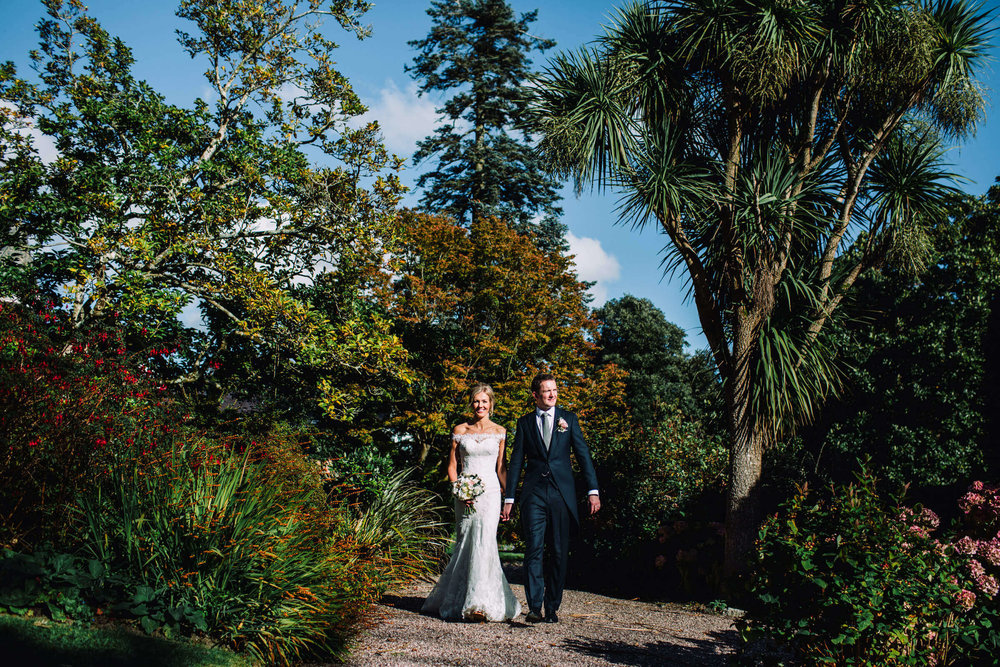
<point x="784" y="147"/>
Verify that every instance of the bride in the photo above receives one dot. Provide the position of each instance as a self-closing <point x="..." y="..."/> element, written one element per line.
<point x="473" y="586"/>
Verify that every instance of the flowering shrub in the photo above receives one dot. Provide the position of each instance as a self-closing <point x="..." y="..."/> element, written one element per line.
<point x="68" y="400"/>
<point x="976" y="542"/>
<point x="851" y="579"/>
<point x="242" y="539"/>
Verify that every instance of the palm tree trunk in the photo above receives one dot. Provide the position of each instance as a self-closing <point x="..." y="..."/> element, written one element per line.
<point x="745" y="459"/>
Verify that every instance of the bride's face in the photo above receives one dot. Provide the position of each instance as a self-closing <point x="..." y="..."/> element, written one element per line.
<point x="481" y="406"/>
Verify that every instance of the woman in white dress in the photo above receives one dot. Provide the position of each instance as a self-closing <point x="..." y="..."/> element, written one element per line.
<point x="473" y="586"/>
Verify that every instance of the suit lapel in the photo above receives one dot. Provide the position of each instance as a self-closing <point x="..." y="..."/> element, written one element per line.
<point x="555" y="430"/>
<point x="536" y="437"/>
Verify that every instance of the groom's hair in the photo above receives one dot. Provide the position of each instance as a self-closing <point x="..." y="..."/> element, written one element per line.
<point x="536" y="383"/>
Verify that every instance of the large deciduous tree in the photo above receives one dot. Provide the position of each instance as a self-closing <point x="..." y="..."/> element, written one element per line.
<point x="784" y="149"/>
<point x="633" y="334"/>
<point x="484" y="165"/>
<point x="484" y="304"/>
<point x="150" y="206"/>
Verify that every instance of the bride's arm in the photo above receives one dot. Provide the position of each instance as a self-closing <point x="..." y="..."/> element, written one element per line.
<point x="502" y="467"/>
<point x="453" y="460"/>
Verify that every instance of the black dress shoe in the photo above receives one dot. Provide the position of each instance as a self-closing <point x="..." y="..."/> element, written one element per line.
<point x="551" y="617"/>
<point x="533" y="617"/>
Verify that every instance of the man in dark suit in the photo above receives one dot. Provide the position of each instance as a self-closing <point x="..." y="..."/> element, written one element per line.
<point x="542" y="443"/>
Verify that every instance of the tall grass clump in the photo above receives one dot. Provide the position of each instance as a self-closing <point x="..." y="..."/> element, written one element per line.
<point x="221" y="544"/>
<point x="401" y="529"/>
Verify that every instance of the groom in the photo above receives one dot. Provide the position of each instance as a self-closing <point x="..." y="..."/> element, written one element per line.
<point x="544" y="439"/>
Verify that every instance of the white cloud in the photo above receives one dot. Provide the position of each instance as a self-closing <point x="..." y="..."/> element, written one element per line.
<point x="404" y="117"/>
<point x="594" y="263"/>
<point x="44" y="145"/>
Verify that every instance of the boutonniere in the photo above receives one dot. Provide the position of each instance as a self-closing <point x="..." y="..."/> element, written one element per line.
<point x="562" y="425"/>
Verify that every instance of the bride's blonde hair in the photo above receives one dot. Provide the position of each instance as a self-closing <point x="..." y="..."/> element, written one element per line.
<point x="481" y="388"/>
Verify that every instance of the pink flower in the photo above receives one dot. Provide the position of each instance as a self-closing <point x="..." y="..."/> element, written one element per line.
<point x="965" y="599"/>
<point x="970" y="501"/>
<point x="966" y="545"/>
<point x="988" y="585"/>
<point x="561" y="426"/>
<point x="990" y="551"/>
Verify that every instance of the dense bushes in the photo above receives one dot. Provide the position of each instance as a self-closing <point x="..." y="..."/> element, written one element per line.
<point x="852" y="579"/>
<point x="649" y="482"/>
<point x="241" y="539"/>
<point x="67" y="400"/>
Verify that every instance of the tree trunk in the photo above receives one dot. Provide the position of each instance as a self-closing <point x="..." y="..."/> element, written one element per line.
<point x="743" y="502"/>
<point x="745" y="457"/>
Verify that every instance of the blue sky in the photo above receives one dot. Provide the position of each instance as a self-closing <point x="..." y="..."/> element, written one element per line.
<point x="621" y="260"/>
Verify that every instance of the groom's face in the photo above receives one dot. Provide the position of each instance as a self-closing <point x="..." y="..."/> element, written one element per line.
<point x="546" y="395"/>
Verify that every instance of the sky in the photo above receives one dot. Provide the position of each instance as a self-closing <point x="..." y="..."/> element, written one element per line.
<point x="620" y="259"/>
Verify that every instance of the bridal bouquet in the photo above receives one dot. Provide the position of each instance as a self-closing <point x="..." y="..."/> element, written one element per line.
<point x="468" y="487"/>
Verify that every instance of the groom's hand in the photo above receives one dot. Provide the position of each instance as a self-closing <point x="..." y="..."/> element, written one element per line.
<point x="595" y="503"/>
<point x="505" y="512"/>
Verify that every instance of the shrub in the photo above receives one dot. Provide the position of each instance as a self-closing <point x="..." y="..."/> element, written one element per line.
<point x="851" y="579"/>
<point x="648" y="481"/>
<point x="67" y="399"/>
<point x="243" y="539"/>
<point x="655" y="477"/>
<point x="976" y="541"/>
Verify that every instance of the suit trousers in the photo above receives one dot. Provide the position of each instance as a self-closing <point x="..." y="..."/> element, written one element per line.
<point x="546" y="522"/>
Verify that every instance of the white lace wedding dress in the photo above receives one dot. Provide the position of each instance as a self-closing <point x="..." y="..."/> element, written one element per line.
<point x="473" y="586"/>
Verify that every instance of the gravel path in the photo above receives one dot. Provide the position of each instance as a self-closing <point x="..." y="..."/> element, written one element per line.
<point x="593" y="630"/>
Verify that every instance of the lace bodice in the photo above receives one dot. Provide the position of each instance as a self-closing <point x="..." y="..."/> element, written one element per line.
<point x="478" y="454"/>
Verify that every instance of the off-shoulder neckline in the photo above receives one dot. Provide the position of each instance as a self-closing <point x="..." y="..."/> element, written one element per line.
<point x="480" y="434"/>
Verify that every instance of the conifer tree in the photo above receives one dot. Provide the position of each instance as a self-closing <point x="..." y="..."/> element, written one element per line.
<point x="477" y="50"/>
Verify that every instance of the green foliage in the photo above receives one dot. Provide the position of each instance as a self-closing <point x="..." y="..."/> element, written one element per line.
<point x="478" y="50"/>
<point x="633" y="334"/>
<point x="31" y="641"/>
<point x="650" y="478"/>
<point x="917" y="402"/>
<point x="65" y="586"/>
<point x="150" y="207"/>
<point x="852" y="578"/>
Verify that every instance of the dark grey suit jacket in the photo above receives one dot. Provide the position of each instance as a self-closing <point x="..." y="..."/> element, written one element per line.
<point x="529" y="453"/>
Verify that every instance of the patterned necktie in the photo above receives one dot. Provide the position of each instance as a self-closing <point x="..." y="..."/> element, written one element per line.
<point x="546" y="429"/>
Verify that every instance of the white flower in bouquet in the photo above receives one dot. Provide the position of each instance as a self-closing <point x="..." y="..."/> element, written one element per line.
<point x="468" y="487"/>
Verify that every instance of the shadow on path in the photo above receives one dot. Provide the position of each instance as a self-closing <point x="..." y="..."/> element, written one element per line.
<point x="695" y="652"/>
